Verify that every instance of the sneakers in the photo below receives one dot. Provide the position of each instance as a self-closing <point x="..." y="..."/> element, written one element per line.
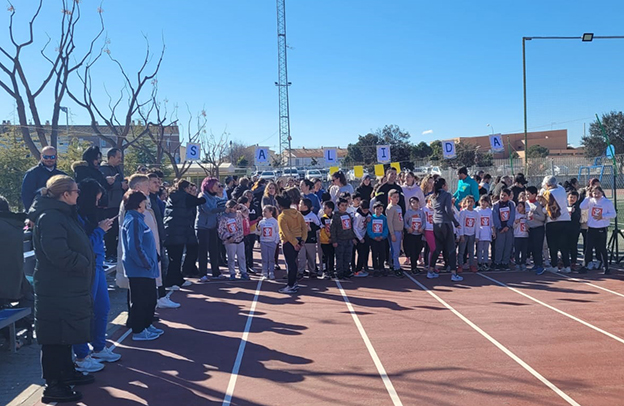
<point x="186" y="284"/>
<point x="361" y="274"/>
<point x="60" y="393"/>
<point x="398" y="273"/>
<point x="288" y="289"/>
<point x="79" y="378"/>
<point x="106" y="355"/>
<point x="582" y="270"/>
<point x="565" y="270"/>
<point x="540" y="270"/>
<point x="432" y="275"/>
<point x="88" y="364"/>
<point x="166" y="303"/>
<point x="173" y="288"/>
<point x="245" y="276"/>
<point x="264" y="277"/>
<point x="591" y="265"/>
<point x="271" y="276"/>
<point x="473" y="269"/>
<point x="456" y="278"/>
<point x="145" y="335"/>
<point x="155" y="330"/>
<point x="204" y="278"/>
<point x="233" y="277"/>
<point x="277" y="267"/>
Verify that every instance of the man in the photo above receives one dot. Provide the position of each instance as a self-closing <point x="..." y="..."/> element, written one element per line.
<point x="504" y="183"/>
<point x="466" y="186"/>
<point x="230" y="185"/>
<point x="89" y="167"/>
<point x="118" y="186"/>
<point x="382" y="192"/>
<point x="485" y="182"/>
<point x="37" y="176"/>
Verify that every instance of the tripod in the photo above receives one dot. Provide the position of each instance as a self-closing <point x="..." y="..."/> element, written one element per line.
<point x="613" y="244"/>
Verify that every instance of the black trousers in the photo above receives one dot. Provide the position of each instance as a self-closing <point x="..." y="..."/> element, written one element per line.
<point x="363" y="248"/>
<point x="142" y="303"/>
<point x="328" y="257"/>
<point x="445" y="243"/>
<point x="597" y="238"/>
<point x="56" y="362"/>
<point x="536" y="243"/>
<point x="250" y="241"/>
<point x="290" y="255"/>
<point x="557" y="235"/>
<point x="189" y="268"/>
<point x="111" y="236"/>
<point x="209" y="246"/>
<point x="174" y="273"/>
<point x="379" y="254"/>
<point x="575" y="232"/>
<point x="414" y="245"/>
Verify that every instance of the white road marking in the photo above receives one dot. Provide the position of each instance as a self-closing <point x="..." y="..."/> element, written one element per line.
<point x="241" y="348"/>
<point x="120" y="340"/>
<point x="588" y="283"/>
<point x="371" y="350"/>
<point x="510" y="354"/>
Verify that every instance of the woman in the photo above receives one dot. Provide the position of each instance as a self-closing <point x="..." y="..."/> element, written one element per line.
<point x="339" y="186"/>
<point x="411" y="189"/>
<point x="307" y="187"/>
<point x="65" y="263"/>
<point x="558" y="223"/>
<point x="179" y="221"/>
<point x="427" y="185"/>
<point x="443" y="221"/>
<point x="90" y="194"/>
<point x="318" y="189"/>
<point x="268" y="199"/>
<point x="366" y="188"/>
<point x="206" y="228"/>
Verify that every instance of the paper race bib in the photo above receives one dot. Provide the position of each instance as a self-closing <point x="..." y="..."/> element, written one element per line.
<point x="267" y="232"/>
<point x="596" y="212"/>
<point x="231" y="225"/>
<point x="504" y="213"/>
<point x="346" y="222"/>
<point x="400" y="216"/>
<point x="523" y="226"/>
<point x="377" y="226"/>
<point x="416" y="222"/>
<point x="485" y="221"/>
<point x="470" y="222"/>
<point x="429" y="218"/>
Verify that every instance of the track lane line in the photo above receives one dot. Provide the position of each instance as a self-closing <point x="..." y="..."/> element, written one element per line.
<point x="241" y="348"/>
<point x="371" y="350"/>
<point x="587" y="283"/>
<point x="501" y="347"/>
<point x="583" y="322"/>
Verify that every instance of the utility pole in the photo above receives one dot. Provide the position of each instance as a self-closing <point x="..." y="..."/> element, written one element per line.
<point x="283" y="84"/>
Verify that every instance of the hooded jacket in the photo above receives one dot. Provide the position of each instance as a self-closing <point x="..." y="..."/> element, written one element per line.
<point x="180" y="218"/>
<point x="35" y="179"/>
<point x="140" y="257"/>
<point x="11" y="252"/>
<point x="208" y="212"/>
<point x="82" y="170"/>
<point x="64" y="274"/>
<point x="292" y="227"/>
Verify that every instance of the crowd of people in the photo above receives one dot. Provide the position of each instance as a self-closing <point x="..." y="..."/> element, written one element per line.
<point x="163" y="237"/>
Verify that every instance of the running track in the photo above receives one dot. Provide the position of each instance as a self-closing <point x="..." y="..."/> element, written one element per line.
<point x="495" y="339"/>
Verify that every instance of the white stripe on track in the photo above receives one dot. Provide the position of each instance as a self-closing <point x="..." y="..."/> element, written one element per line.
<point x="241" y="348"/>
<point x="371" y="350"/>
<point x="588" y="283"/>
<point x="123" y="337"/>
<point x="583" y="322"/>
<point x="491" y="339"/>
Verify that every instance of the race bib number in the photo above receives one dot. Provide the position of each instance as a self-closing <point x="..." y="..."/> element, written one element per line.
<point x="377" y="226"/>
<point x="231" y="225"/>
<point x="400" y="216"/>
<point x="267" y="232"/>
<point x="485" y="221"/>
<point x="346" y="222"/>
<point x="596" y="212"/>
<point x="523" y="226"/>
<point x="416" y="222"/>
<point x="470" y="222"/>
<point x="570" y="209"/>
<point x="504" y="213"/>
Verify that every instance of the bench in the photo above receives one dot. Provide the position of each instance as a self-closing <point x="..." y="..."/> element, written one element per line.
<point x="8" y="317"/>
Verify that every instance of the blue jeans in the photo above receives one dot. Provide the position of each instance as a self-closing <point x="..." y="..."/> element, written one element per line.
<point x="101" y="307"/>
<point x="395" y="249"/>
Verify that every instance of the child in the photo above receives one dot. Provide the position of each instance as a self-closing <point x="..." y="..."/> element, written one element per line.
<point x="377" y="231"/>
<point x="504" y="214"/>
<point x="575" y="225"/>
<point x="468" y="220"/>
<point x="269" y="238"/>
<point x="325" y="238"/>
<point x="362" y="218"/>
<point x="485" y="232"/>
<point x="247" y="241"/>
<point x="429" y="237"/>
<point x="308" y="248"/>
<point x="231" y="233"/>
<point x="394" y="213"/>
<point x="601" y="210"/>
<point x="535" y="221"/>
<point x="342" y="238"/>
<point x="521" y="235"/>
<point x="414" y="228"/>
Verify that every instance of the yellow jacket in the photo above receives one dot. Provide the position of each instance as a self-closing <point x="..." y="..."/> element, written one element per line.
<point x="325" y="236"/>
<point x="292" y="226"/>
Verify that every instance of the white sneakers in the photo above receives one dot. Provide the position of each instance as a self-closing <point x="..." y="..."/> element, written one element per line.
<point x="565" y="270"/>
<point x="166" y="303"/>
<point x="88" y="364"/>
<point x="106" y="355"/>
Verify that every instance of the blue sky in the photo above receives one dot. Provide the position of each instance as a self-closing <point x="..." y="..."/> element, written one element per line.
<point x="451" y="67"/>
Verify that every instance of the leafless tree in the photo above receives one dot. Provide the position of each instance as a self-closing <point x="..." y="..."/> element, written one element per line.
<point x="18" y="84"/>
<point x="216" y="151"/>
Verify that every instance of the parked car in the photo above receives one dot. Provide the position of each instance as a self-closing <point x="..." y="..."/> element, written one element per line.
<point x="313" y="173"/>
<point x="302" y="173"/>
<point x="268" y="175"/>
<point x="290" y="173"/>
<point x="351" y="175"/>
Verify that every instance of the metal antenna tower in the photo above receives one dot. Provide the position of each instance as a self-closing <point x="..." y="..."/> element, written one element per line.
<point x="282" y="85"/>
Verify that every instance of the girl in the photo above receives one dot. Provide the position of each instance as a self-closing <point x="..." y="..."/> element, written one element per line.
<point x="443" y="221"/>
<point x="365" y="189"/>
<point x="427" y="185"/>
<point x="468" y="226"/>
<point x="206" y="229"/>
<point x="270" y="192"/>
<point x="414" y="228"/>
<point x="485" y="232"/>
<point x="429" y="238"/>
<point x="269" y="238"/>
<point x="411" y="189"/>
<point x="231" y="233"/>
<point x="521" y="235"/>
<point x="395" y="227"/>
<point x="600" y="211"/>
<point x="504" y="214"/>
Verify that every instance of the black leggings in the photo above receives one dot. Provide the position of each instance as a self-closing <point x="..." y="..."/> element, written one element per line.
<point x="290" y="255"/>
<point x="597" y="238"/>
<point x="413" y="245"/>
<point x="558" y="236"/>
<point x="445" y="243"/>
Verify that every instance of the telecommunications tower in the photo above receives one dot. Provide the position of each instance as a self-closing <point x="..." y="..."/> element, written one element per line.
<point x="282" y="84"/>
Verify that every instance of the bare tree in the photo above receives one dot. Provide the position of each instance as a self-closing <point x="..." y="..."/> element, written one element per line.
<point x="216" y="151"/>
<point x="18" y="84"/>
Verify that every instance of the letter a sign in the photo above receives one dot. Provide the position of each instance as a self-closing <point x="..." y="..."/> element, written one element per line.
<point x="448" y="149"/>
<point x="261" y="155"/>
<point x="383" y="154"/>
<point x="496" y="141"/>
<point x="330" y="156"/>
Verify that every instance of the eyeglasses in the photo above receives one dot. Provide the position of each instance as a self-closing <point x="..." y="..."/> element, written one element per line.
<point x="48" y="156"/>
<point x="221" y="186"/>
<point x="74" y="190"/>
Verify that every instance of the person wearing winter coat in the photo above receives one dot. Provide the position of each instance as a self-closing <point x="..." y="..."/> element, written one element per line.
<point x="11" y="252"/>
<point x="112" y="169"/>
<point x="63" y="278"/>
<point x="37" y="176"/>
<point x="206" y="228"/>
<point x="89" y="168"/>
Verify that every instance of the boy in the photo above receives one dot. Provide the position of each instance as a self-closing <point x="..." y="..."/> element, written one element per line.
<point x="231" y="233"/>
<point x="325" y="238"/>
<point x="485" y="232"/>
<point x="362" y="218"/>
<point x="342" y="238"/>
<point x="535" y="221"/>
<point x="574" y="208"/>
<point x="504" y="215"/>
<point x="308" y="248"/>
<point x="377" y="231"/>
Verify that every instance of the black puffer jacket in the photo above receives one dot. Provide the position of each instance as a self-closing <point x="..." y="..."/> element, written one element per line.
<point x="11" y="252"/>
<point x="180" y="218"/>
<point x="63" y="275"/>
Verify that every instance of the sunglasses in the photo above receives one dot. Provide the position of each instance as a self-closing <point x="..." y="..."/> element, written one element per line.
<point x="48" y="156"/>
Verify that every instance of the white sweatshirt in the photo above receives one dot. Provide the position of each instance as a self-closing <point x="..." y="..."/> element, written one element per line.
<point x="485" y="224"/>
<point x="268" y="230"/>
<point x="521" y="228"/>
<point x="468" y="222"/>
<point x="598" y="207"/>
<point x="428" y="218"/>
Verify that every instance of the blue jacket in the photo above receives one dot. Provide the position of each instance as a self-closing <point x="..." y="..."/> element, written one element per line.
<point x="96" y="236"/>
<point x="496" y="216"/>
<point x="466" y="188"/>
<point x="369" y="228"/>
<point x="140" y="258"/>
<point x="35" y="179"/>
<point x="316" y="202"/>
<point x="208" y="213"/>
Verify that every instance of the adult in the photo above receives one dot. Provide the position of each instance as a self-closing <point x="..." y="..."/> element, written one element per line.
<point x="339" y="186"/>
<point x="207" y="229"/>
<point x="503" y="183"/>
<point x="443" y="221"/>
<point x="12" y="253"/>
<point x="427" y="185"/>
<point x="158" y="209"/>
<point x="179" y="226"/>
<point x="366" y="188"/>
<point x="485" y="182"/>
<point x="268" y="199"/>
<point x="307" y="190"/>
<point x="466" y="186"/>
<point x="518" y="187"/>
<point x="230" y="185"/>
<point x="385" y="188"/>
<point x="243" y="185"/>
<point x="63" y="278"/>
<point x="37" y="176"/>
<point x="113" y="173"/>
<point x="318" y="189"/>
<point x="412" y="189"/>
<point x="557" y="223"/>
<point x="89" y="167"/>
